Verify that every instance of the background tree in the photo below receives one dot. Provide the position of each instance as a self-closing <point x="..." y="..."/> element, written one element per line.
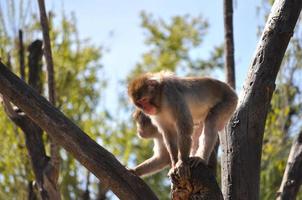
<point x="78" y="61"/>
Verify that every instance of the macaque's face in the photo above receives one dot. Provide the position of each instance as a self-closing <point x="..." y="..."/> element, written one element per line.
<point x="145" y="95"/>
<point x="145" y="128"/>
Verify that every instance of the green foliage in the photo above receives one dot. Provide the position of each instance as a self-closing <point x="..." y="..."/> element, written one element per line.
<point x="14" y="172"/>
<point x="171" y="45"/>
<point x="275" y="147"/>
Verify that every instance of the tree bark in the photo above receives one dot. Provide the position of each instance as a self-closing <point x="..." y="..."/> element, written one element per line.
<point x="31" y="195"/>
<point x="229" y="42"/>
<point x="94" y="157"/>
<point x="292" y="178"/>
<point x="242" y="143"/>
<point x="102" y="191"/>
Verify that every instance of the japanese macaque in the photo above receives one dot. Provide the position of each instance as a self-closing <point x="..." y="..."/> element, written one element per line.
<point x="177" y="105"/>
<point x="160" y="158"/>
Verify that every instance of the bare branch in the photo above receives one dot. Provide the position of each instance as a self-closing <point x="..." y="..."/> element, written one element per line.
<point x="47" y="53"/>
<point x="292" y="178"/>
<point x="54" y="149"/>
<point x="21" y="55"/>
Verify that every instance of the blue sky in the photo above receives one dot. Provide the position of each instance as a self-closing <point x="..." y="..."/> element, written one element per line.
<point x="98" y="19"/>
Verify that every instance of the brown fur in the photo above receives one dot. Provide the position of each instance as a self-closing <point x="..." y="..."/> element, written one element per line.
<point x="146" y="130"/>
<point x="160" y="158"/>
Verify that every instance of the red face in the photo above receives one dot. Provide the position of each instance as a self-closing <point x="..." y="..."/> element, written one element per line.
<point x="145" y="94"/>
<point x="144" y="104"/>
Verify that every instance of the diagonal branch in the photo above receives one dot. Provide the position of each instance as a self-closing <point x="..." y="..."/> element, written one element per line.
<point x="65" y="133"/>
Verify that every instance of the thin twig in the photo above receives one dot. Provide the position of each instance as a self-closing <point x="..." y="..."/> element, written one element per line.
<point x="54" y="149"/>
<point x="21" y="55"/>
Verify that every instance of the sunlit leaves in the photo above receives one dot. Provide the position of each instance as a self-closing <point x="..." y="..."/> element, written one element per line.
<point x="170" y="42"/>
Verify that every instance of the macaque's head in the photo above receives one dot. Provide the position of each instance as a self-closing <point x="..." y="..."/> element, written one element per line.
<point x="145" y="92"/>
<point x="145" y="128"/>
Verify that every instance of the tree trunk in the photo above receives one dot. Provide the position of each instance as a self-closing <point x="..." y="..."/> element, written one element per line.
<point x="95" y="158"/>
<point x="292" y="178"/>
<point x="242" y="143"/>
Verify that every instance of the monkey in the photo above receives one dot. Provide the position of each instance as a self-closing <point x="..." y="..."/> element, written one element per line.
<point x="160" y="158"/>
<point x="175" y="104"/>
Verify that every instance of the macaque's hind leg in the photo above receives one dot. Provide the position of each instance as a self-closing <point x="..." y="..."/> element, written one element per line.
<point x="195" y="138"/>
<point x="207" y="141"/>
<point x="215" y="121"/>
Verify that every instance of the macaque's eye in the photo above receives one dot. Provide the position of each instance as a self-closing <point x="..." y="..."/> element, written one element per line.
<point x="143" y="101"/>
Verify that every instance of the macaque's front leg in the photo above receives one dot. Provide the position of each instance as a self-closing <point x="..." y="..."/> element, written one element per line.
<point x="171" y="144"/>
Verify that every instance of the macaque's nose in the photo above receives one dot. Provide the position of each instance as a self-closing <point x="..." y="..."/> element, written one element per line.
<point x="142" y="101"/>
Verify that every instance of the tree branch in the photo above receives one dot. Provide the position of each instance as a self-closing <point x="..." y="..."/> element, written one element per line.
<point x="94" y="157"/>
<point x="292" y="178"/>
<point x="47" y="53"/>
<point x="21" y="55"/>
<point x="54" y="149"/>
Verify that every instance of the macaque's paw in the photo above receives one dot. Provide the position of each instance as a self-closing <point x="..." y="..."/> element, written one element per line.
<point x="171" y="172"/>
<point x="196" y="197"/>
<point x="182" y="169"/>
<point x="195" y="161"/>
<point x="133" y="171"/>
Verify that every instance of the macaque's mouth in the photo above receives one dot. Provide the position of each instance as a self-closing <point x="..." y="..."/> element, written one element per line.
<point x="147" y="106"/>
<point x="150" y="110"/>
